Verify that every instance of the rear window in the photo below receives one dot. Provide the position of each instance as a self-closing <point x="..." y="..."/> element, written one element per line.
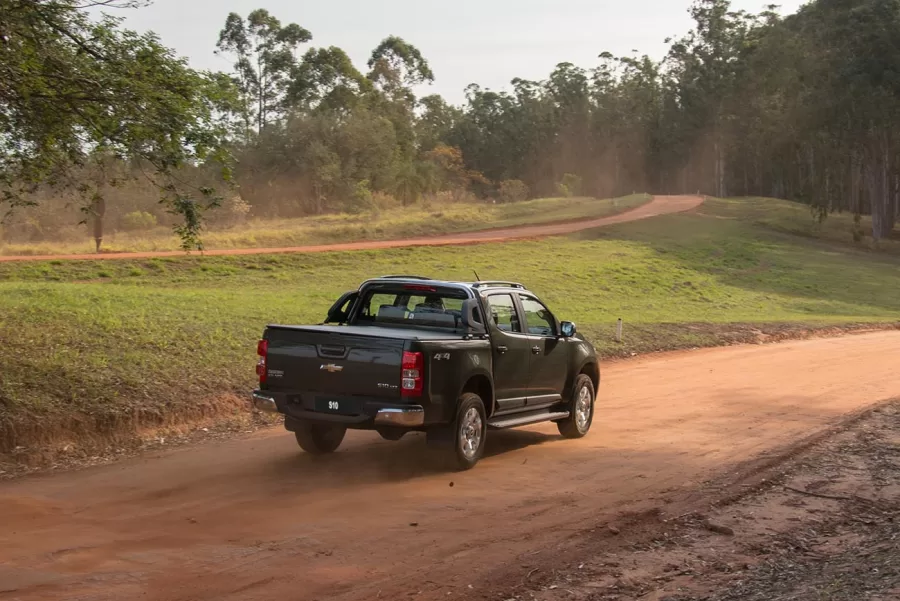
<point x="440" y="308"/>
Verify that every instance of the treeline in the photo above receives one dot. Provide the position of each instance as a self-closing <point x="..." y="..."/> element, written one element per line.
<point x="803" y="107"/>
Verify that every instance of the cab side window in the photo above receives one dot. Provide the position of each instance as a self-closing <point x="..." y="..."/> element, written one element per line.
<point x="503" y="312"/>
<point x="538" y="318"/>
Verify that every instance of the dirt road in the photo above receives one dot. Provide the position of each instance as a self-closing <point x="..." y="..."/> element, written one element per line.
<point x="660" y="205"/>
<point x="256" y="519"/>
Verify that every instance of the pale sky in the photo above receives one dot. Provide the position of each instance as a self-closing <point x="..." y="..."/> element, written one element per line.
<point x="488" y="42"/>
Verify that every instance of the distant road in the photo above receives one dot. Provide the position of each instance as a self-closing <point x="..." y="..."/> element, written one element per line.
<point x="660" y="205"/>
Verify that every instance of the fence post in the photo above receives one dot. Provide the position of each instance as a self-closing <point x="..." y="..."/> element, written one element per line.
<point x="619" y="330"/>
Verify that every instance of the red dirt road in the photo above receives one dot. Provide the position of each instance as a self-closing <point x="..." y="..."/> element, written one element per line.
<point x="660" y="205"/>
<point x="256" y="519"/>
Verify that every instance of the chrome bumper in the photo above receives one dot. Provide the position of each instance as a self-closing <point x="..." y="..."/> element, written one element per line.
<point x="409" y="417"/>
<point x="264" y="403"/>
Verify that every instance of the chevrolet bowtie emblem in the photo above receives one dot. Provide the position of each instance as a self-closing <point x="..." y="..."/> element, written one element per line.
<point x="332" y="368"/>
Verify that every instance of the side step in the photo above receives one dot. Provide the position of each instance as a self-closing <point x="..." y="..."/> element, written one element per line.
<point x="519" y="419"/>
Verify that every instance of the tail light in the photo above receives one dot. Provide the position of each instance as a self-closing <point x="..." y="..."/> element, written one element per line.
<point x="262" y="349"/>
<point x="411" y="377"/>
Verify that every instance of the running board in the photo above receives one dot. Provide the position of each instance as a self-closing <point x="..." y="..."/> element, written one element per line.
<point x="513" y="421"/>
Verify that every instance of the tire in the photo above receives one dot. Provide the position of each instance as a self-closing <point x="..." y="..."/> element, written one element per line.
<point x="319" y="439"/>
<point x="469" y="431"/>
<point x="581" y="409"/>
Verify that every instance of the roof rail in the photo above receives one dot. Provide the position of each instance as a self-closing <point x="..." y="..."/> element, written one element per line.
<point x="404" y="277"/>
<point x="488" y="284"/>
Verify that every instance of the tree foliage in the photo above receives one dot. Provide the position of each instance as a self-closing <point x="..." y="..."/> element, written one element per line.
<point x="265" y="60"/>
<point x="804" y="107"/>
<point x="75" y="91"/>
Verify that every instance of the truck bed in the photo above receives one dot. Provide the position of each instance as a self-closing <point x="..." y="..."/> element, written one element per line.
<point x="380" y="331"/>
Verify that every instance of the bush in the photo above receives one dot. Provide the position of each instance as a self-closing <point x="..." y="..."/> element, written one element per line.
<point x="233" y="211"/>
<point x="572" y="184"/>
<point x="563" y="191"/>
<point x="384" y="201"/>
<point x="361" y="198"/>
<point x="513" y="190"/>
<point x="138" y="221"/>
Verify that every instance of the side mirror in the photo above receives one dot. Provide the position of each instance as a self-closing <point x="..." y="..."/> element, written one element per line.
<point x="340" y="311"/>
<point x="567" y="329"/>
<point x="472" y="318"/>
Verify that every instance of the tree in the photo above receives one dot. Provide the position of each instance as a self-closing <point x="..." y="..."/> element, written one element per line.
<point x="326" y="80"/>
<point x="74" y="91"/>
<point x="436" y="120"/>
<point x="265" y="61"/>
<point x="396" y="65"/>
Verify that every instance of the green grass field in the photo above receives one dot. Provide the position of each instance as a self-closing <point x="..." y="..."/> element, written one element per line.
<point x="104" y="348"/>
<point x="401" y="222"/>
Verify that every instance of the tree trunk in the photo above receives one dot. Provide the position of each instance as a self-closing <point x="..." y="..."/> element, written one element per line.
<point x="880" y="193"/>
<point x="99" y="210"/>
<point x="719" y="169"/>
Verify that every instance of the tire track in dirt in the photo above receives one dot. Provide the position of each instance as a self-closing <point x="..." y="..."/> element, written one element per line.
<point x="660" y="205"/>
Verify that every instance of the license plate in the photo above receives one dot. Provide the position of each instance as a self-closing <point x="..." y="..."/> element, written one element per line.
<point x="340" y="406"/>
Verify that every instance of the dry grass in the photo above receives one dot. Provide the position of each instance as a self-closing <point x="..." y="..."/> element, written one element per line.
<point x="408" y="222"/>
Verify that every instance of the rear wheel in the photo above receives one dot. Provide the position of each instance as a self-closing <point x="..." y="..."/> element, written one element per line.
<point x="470" y="431"/>
<point x="319" y="439"/>
<point x="581" y="409"/>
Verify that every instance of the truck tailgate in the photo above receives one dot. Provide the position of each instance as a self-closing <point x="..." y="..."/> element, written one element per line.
<point x="326" y="362"/>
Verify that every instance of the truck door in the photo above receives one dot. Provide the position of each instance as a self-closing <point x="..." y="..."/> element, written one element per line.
<point x="549" y="354"/>
<point x="511" y="350"/>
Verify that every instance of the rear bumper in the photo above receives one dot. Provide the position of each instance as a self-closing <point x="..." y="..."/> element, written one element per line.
<point x="407" y="417"/>
<point x="264" y="403"/>
<point x="374" y="414"/>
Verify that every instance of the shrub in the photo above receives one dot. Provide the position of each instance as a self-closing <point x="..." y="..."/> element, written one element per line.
<point x="563" y="191"/>
<point x="138" y="221"/>
<point x="233" y="211"/>
<point x="572" y="184"/>
<point x="361" y="198"/>
<point x="513" y="190"/>
<point x="383" y="200"/>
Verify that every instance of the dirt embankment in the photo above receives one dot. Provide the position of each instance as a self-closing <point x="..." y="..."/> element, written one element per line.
<point x="254" y="518"/>
<point x="822" y="525"/>
<point x="660" y="205"/>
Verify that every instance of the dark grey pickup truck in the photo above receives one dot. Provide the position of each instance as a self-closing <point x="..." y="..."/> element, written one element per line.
<point x="451" y="359"/>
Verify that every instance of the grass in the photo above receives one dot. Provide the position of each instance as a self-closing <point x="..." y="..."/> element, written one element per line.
<point x="796" y="218"/>
<point x="109" y="347"/>
<point x="414" y="221"/>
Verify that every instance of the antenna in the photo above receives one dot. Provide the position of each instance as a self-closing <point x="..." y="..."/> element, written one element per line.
<point x="476" y="276"/>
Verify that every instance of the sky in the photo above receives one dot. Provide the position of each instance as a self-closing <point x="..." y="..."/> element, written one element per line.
<point x="488" y="42"/>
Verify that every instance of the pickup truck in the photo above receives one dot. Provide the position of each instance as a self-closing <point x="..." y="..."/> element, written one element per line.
<point x="451" y="359"/>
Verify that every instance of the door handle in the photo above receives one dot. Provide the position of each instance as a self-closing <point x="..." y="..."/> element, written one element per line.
<point x="536" y="350"/>
<point x="502" y="349"/>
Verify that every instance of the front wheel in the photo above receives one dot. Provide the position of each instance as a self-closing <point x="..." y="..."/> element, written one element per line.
<point x="581" y="409"/>
<point x="319" y="439"/>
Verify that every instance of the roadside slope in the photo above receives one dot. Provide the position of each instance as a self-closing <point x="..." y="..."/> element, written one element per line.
<point x="660" y="205"/>
<point x="126" y="351"/>
<point x="234" y="520"/>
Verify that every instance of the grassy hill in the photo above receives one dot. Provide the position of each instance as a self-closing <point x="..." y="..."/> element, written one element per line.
<point x="94" y="352"/>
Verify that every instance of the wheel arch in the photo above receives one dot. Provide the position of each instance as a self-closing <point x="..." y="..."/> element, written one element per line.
<point x="482" y="385"/>
<point x="591" y="369"/>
